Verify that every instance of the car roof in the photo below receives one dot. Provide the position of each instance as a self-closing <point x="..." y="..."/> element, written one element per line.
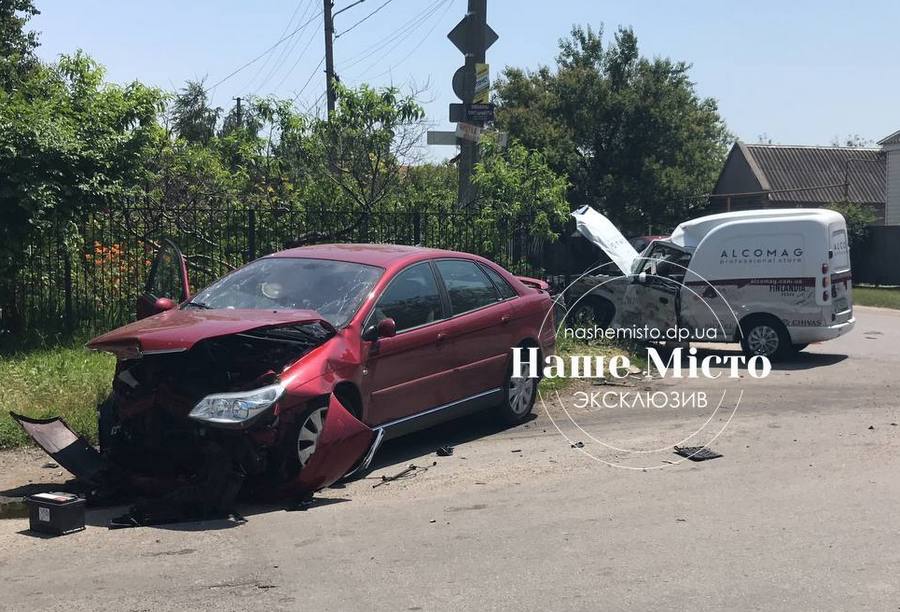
<point x="382" y="255"/>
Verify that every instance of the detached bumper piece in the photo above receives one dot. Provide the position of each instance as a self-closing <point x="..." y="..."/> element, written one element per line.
<point x="217" y="476"/>
<point x="67" y="448"/>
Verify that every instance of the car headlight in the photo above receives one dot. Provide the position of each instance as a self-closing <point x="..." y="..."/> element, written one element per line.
<point x="235" y="408"/>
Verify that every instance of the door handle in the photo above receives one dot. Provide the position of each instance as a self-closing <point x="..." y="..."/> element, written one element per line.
<point x="505" y="319"/>
<point x="664" y="300"/>
<point x="441" y="337"/>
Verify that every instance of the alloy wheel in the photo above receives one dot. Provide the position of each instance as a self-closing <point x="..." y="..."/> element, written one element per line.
<point x="308" y="438"/>
<point x="521" y="392"/>
<point x="763" y="340"/>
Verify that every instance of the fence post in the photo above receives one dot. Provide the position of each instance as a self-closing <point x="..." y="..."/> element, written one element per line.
<point x="67" y="281"/>
<point x="417" y="228"/>
<point x="251" y="234"/>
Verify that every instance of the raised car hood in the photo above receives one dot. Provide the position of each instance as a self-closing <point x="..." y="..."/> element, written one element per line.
<point x="178" y="330"/>
<point x="600" y="230"/>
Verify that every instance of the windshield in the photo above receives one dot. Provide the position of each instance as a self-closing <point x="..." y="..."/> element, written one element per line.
<point x="334" y="289"/>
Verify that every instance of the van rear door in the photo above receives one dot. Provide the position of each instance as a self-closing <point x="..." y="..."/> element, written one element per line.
<point x="840" y="273"/>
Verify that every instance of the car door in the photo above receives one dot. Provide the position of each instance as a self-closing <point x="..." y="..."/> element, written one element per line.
<point x="651" y="298"/>
<point x="168" y="279"/>
<point x="407" y="373"/>
<point x="480" y="333"/>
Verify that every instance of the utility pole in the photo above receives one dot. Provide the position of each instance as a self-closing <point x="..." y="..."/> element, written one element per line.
<point x="240" y="117"/>
<point x="472" y="36"/>
<point x="329" y="55"/>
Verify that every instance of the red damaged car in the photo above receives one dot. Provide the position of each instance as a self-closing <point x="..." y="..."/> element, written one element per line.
<point x="286" y="375"/>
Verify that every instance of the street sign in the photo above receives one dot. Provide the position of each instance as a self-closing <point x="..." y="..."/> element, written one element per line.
<point x="466" y="35"/>
<point x="480" y="112"/>
<point x="471" y="113"/>
<point x="459" y="83"/>
<point x="467" y="131"/>
<point x="482" y="84"/>
<point x="441" y="138"/>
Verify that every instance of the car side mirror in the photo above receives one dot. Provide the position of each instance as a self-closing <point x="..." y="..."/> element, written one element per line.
<point x="386" y="328"/>
<point x="163" y="304"/>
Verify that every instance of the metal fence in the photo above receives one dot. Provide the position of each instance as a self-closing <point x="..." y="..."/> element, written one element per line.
<point x="84" y="276"/>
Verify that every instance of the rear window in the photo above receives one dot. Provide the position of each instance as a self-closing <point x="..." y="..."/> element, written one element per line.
<point x="467" y="286"/>
<point x="840" y="250"/>
<point x="503" y="287"/>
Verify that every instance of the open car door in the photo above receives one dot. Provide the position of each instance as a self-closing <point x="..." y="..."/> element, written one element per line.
<point x="167" y="285"/>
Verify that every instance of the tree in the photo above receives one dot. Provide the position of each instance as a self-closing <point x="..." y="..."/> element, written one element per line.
<point x="192" y="117"/>
<point x="630" y="133"/>
<point x="16" y="45"/>
<point x="859" y="218"/>
<point x="519" y="195"/>
<point x="69" y="143"/>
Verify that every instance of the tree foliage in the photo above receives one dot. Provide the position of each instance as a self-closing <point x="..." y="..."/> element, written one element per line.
<point x="518" y="195"/>
<point x="630" y="133"/>
<point x="859" y="218"/>
<point x="69" y="142"/>
<point x="16" y="44"/>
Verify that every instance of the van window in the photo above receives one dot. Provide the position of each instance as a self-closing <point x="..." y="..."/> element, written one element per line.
<point x="665" y="261"/>
<point x="840" y="250"/>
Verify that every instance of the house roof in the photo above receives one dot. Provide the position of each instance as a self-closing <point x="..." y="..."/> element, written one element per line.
<point x="804" y="173"/>
<point x="890" y="140"/>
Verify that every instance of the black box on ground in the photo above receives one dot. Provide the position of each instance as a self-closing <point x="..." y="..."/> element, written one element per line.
<point x="55" y="513"/>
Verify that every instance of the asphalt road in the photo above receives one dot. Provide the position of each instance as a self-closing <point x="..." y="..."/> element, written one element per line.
<point x="799" y="513"/>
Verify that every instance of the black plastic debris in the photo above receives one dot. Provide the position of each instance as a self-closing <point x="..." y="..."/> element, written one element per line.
<point x="696" y="453"/>
<point x="445" y="451"/>
<point x="578" y="445"/>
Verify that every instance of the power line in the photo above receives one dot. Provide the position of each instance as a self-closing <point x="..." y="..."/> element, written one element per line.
<point x="284" y="31"/>
<point x="261" y="55"/>
<point x="296" y="62"/>
<point x="399" y="33"/>
<point x="409" y="54"/>
<point x="364" y="19"/>
<point x="309" y="80"/>
<point x="286" y="51"/>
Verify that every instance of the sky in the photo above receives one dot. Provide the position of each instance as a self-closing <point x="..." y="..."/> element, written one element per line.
<point x="790" y="71"/>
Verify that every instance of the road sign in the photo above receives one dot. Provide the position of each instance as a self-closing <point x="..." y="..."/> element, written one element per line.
<point x="466" y="36"/>
<point x="459" y="83"/>
<point x="479" y="112"/>
<point x="441" y="138"/>
<point x="482" y="84"/>
<point x="467" y="131"/>
<point x="471" y="112"/>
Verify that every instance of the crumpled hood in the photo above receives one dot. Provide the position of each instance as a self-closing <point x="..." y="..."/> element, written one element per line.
<point x="179" y="330"/>
<point x="600" y="230"/>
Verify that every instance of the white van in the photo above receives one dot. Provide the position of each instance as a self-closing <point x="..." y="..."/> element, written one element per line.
<point x="775" y="280"/>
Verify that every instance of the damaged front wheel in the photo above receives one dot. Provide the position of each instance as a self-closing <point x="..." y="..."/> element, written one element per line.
<point x="308" y="435"/>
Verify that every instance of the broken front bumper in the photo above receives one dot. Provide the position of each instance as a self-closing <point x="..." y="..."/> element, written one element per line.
<point x="345" y="444"/>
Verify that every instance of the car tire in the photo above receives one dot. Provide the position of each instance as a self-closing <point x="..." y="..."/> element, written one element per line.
<point x="519" y="395"/>
<point x="765" y="336"/>
<point x="301" y="441"/>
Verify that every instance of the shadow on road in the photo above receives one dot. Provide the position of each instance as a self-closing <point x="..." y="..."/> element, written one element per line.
<point x="401" y="451"/>
<point x="800" y="361"/>
<point x="422" y="443"/>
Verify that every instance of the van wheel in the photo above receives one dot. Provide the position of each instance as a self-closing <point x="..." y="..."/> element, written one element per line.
<point x="518" y="396"/>
<point x="595" y="311"/>
<point x="765" y="336"/>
